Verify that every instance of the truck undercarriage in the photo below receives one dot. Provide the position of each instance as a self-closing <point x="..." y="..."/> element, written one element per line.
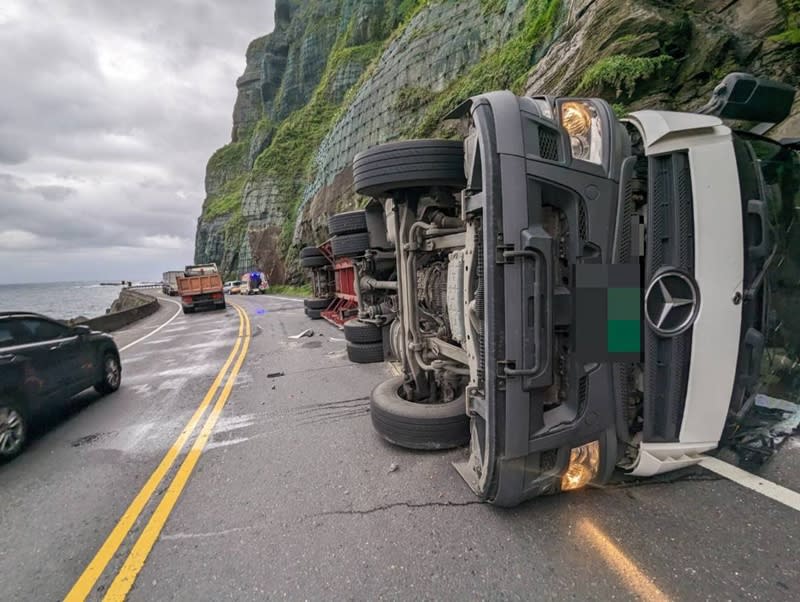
<point x="566" y="291"/>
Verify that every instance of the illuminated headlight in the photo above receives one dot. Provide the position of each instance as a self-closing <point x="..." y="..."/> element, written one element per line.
<point x="584" y="462"/>
<point x="585" y="130"/>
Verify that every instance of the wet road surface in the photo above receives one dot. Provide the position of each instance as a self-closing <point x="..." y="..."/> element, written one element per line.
<point x="293" y="496"/>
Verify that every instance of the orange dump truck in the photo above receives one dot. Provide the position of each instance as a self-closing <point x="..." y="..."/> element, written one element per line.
<point x="201" y="286"/>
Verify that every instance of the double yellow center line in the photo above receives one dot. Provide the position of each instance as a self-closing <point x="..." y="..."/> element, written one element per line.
<point x="126" y="576"/>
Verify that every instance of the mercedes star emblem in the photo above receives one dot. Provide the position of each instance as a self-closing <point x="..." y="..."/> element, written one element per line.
<point x="671" y="303"/>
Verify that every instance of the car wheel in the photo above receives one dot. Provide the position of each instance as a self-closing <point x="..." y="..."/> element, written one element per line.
<point x="417" y="425"/>
<point x="112" y="374"/>
<point x="383" y="169"/>
<point x="347" y="223"/>
<point x="314" y="314"/>
<point x="365" y="353"/>
<point x="350" y="245"/>
<point x="356" y="331"/>
<point x="316" y="303"/>
<point x="13" y="430"/>
<point x="317" y="261"/>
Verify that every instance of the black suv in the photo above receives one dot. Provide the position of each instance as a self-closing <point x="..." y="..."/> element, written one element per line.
<point x="43" y="363"/>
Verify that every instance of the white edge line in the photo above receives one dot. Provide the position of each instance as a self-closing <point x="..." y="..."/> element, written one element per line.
<point x="152" y="332"/>
<point x="767" y="488"/>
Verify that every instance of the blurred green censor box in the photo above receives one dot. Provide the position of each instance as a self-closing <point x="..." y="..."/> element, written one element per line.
<point x="608" y="312"/>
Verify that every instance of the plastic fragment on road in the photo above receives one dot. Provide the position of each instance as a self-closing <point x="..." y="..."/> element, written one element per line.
<point x="337" y="340"/>
<point x="261" y="311"/>
<point x="393" y="467"/>
<point x="773" y="403"/>
<point x="275" y="374"/>
<point x="306" y="333"/>
<point x="768" y="424"/>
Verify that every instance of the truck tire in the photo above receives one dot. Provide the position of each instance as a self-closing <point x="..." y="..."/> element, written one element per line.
<point x="15" y="426"/>
<point x="314" y="261"/>
<point x="365" y="353"/>
<point x="316" y="303"/>
<point x="412" y="425"/>
<point x="356" y="331"/>
<point x="310" y="252"/>
<point x="383" y="169"/>
<point x="350" y="245"/>
<point x="314" y="314"/>
<point x="349" y="222"/>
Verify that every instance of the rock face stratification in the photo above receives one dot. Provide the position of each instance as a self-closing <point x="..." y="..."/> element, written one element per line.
<point x="338" y="76"/>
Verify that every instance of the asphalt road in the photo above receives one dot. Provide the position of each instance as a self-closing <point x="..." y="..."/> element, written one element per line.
<point x="293" y="496"/>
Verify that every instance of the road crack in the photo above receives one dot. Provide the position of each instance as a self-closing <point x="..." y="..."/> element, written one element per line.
<point x="386" y="507"/>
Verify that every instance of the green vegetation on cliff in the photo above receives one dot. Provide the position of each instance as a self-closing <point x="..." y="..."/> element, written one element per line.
<point x="337" y="76"/>
<point x="505" y="68"/>
<point x="289" y="289"/>
<point x="621" y="72"/>
<point x="288" y="159"/>
<point x="227" y="199"/>
<point x="792" y="33"/>
<point x="230" y="162"/>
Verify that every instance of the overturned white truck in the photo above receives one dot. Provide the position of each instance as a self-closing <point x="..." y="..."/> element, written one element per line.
<point x="573" y="292"/>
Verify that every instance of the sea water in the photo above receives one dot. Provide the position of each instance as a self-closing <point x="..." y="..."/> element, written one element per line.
<point x="59" y="300"/>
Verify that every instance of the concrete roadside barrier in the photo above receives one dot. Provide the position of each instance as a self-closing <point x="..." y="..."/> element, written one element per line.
<point x="132" y="305"/>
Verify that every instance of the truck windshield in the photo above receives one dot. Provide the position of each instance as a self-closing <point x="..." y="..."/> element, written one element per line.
<point x="780" y="168"/>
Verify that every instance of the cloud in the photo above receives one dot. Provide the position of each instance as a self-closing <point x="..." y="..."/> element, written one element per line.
<point x="54" y="193"/>
<point x="109" y="112"/>
<point x="12" y="153"/>
<point x="19" y="240"/>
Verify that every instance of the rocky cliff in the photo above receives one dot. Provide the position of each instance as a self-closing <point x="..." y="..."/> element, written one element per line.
<point x="338" y="76"/>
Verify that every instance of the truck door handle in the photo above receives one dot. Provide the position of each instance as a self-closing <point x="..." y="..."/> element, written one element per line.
<point x="758" y="210"/>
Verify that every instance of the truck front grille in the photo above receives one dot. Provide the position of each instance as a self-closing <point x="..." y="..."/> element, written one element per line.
<point x="670" y="244"/>
<point x="549" y="144"/>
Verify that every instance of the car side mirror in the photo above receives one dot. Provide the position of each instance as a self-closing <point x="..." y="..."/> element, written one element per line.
<point x="81" y="329"/>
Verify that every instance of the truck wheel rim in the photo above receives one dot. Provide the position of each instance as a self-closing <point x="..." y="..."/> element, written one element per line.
<point x="12" y="431"/>
<point x="112" y="372"/>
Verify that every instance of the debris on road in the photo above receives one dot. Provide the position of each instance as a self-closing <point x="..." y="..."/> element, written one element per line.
<point x="337" y="340"/>
<point x="306" y="333"/>
<point x="768" y="424"/>
<point x="772" y="403"/>
<point x="393" y="467"/>
<point x="275" y="374"/>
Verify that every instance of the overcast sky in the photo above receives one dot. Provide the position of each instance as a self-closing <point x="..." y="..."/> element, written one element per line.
<point x="109" y="110"/>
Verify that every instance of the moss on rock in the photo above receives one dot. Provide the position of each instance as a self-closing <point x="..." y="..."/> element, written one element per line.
<point x="622" y="72"/>
<point x="506" y="67"/>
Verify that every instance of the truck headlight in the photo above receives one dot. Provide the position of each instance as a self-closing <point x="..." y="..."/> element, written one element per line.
<point x="584" y="127"/>
<point x="584" y="462"/>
